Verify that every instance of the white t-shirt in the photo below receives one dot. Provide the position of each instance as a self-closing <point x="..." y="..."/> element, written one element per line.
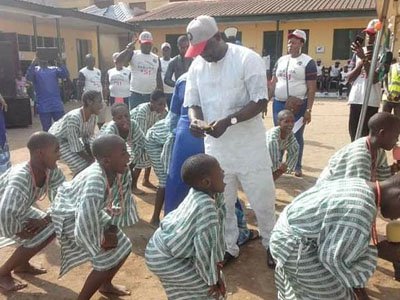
<point x="267" y="62"/>
<point x="92" y="79"/>
<point x="164" y="67"/>
<point x="357" y="92"/>
<point x="343" y="76"/>
<point x="319" y="70"/>
<point x="224" y="88"/>
<point x="144" y="69"/>
<point x="119" y="82"/>
<point x="334" y="71"/>
<point x="292" y="70"/>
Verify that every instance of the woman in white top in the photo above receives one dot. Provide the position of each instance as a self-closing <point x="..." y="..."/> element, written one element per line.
<point x="295" y="75"/>
<point x="118" y="82"/>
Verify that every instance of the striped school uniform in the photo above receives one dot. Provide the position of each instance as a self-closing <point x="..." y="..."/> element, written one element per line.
<point x="18" y="195"/>
<point x="135" y="141"/>
<point x="321" y="241"/>
<point x="158" y="150"/>
<point x="354" y="160"/>
<point x="145" y="118"/>
<point x="79" y="215"/>
<point x="276" y="145"/>
<point x="185" y="249"/>
<point x="74" y="135"/>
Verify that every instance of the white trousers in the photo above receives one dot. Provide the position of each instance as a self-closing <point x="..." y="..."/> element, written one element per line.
<point x="259" y="188"/>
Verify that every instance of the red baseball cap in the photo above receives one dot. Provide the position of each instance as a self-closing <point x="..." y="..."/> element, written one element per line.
<point x="199" y="31"/>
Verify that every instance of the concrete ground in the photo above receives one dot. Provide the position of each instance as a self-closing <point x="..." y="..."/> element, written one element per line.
<point x="248" y="277"/>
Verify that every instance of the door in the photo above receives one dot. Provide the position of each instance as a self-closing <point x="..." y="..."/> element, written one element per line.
<point x="172" y="40"/>
<point x="272" y="45"/>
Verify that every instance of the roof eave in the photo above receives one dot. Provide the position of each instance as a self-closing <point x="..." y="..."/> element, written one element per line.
<point x="265" y="17"/>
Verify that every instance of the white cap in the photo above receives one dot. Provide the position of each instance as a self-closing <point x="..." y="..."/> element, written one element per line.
<point x="163" y="45"/>
<point x="300" y="34"/>
<point x="115" y="55"/>
<point x="371" y="30"/>
<point x="145" y="38"/>
<point x="199" y="31"/>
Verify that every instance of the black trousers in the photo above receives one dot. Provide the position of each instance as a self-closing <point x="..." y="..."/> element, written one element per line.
<point x="355" y="111"/>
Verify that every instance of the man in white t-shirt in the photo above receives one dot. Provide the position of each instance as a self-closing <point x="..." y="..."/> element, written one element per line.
<point x="90" y="80"/>
<point x="145" y="69"/>
<point x="358" y="78"/>
<point x="118" y="82"/>
<point x="334" y="73"/>
<point x="228" y="113"/>
<point x="165" y="61"/>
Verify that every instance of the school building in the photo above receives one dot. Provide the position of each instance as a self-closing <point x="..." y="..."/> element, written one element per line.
<point x="331" y="26"/>
<point x="30" y="24"/>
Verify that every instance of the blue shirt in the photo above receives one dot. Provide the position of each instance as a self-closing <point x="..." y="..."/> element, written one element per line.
<point x="45" y="81"/>
<point x="177" y="108"/>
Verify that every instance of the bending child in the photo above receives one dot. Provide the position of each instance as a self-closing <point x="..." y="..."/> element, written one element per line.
<point x="186" y="250"/>
<point x="75" y="131"/>
<point x="83" y="213"/>
<point x="280" y="139"/>
<point x="366" y="158"/>
<point x="146" y="115"/>
<point x="21" y="222"/>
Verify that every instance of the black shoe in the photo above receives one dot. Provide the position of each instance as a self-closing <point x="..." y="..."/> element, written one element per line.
<point x="270" y="261"/>
<point x="227" y="259"/>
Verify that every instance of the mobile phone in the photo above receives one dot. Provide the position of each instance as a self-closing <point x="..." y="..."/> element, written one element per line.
<point x="359" y="39"/>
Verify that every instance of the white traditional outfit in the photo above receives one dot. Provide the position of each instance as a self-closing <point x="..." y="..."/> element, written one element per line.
<point x="145" y="118"/>
<point x="185" y="249"/>
<point x="276" y="145"/>
<point x="220" y="89"/>
<point x="18" y="194"/>
<point x="321" y="241"/>
<point x="74" y="134"/>
<point x="81" y="212"/>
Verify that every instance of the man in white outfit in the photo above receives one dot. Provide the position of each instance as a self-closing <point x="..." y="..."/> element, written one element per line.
<point x="226" y="92"/>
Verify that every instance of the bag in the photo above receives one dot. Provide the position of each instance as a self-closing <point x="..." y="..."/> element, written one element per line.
<point x="294" y="104"/>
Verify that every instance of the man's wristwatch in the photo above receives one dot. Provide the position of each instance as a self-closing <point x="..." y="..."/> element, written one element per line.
<point x="234" y="121"/>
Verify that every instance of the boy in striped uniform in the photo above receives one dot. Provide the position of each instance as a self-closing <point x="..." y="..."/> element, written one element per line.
<point x="83" y="212"/>
<point x="159" y="143"/>
<point x="126" y="128"/>
<point x="186" y="250"/>
<point x="280" y="139"/>
<point x="146" y="115"/>
<point x="366" y="158"/>
<point x="21" y="222"/>
<point x="75" y="130"/>
<point x="321" y="241"/>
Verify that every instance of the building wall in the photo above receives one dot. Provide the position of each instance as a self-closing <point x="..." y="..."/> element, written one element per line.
<point x="321" y="33"/>
<point x="49" y="30"/>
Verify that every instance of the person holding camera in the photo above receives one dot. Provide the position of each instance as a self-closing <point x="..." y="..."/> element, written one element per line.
<point x="45" y="81"/>
<point x="358" y="76"/>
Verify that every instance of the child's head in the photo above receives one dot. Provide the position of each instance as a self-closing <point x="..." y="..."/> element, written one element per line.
<point x="121" y="116"/>
<point x="110" y="151"/>
<point x="44" y="148"/>
<point x="203" y="173"/>
<point x="93" y="101"/>
<point x="286" y="120"/>
<point x="158" y="101"/>
<point x="384" y="128"/>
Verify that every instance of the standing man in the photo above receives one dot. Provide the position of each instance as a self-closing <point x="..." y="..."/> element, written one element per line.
<point x="393" y="97"/>
<point x="165" y="60"/>
<point x="48" y="96"/>
<point x="179" y="64"/>
<point x="361" y="63"/>
<point x="90" y="80"/>
<point x="117" y="82"/>
<point x="294" y="79"/>
<point x="145" y="69"/>
<point x="229" y="111"/>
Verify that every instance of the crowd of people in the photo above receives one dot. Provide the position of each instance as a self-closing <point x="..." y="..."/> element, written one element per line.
<point x="205" y="139"/>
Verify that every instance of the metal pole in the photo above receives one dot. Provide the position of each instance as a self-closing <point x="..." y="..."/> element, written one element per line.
<point x="372" y="68"/>
<point x="34" y="24"/>
<point x="276" y="41"/>
<point x="58" y="38"/>
<point x="98" y="46"/>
